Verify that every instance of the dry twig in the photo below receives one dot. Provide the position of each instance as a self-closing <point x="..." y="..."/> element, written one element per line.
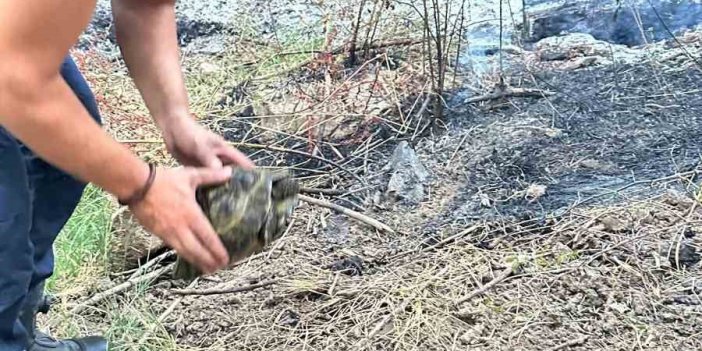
<point x="510" y="92"/>
<point x="351" y="213"/>
<point x="156" y="260"/>
<point x="504" y="275"/>
<point x="579" y="341"/>
<point x="438" y="245"/>
<point x="225" y="290"/>
<point x="121" y="287"/>
<point x="331" y="192"/>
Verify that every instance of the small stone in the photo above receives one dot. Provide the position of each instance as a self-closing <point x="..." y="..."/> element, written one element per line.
<point x="289" y="318"/>
<point x="466" y="338"/>
<point x="612" y="224"/>
<point x="207" y="67"/>
<point x="352" y="266"/>
<point x="619" y="307"/>
<point x="535" y="191"/>
<point x="689" y="233"/>
<point x="553" y="132"/>
<point x="408" y="175"/>
<point x="485" y="200"/>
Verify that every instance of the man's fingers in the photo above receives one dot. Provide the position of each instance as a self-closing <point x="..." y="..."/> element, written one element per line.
<point x="210" y="240"/>
<point x="231" y="155"/>
<point x="196" y="254"/>
<point x="209" y="176"/>
<point x="212" y="161"/>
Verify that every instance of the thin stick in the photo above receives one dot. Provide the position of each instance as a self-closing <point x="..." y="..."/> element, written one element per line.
<point x="638" y="182"/>
<point x="224" y="291"/>
<point x="301" y="153"/>
<point x="121" y="287"/>
<point x="579" y="341"/>
<point x="512" y="92"/>
<point x="504" y="275"/>
<point x="279" y="242"/>
<point x="332" y="192"/>
<point x="354" y="37"/>
<point x="458" y="147"/>
<point x="151" y="263"/>
<point x="351" y="213"/>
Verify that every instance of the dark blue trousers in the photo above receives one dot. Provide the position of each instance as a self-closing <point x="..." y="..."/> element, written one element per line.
<point x="36" y="200"/>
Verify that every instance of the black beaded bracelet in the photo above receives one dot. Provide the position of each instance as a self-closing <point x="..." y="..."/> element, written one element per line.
<point x="138" y="196"/>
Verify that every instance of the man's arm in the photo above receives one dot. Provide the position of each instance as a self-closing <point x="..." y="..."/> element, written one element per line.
<point x="146" y="33"/>
<point x="39" y="108"/>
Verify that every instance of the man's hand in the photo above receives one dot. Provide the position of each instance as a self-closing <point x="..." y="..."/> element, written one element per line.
<point x="170" y="212"/>
<point x="193" y="145"/>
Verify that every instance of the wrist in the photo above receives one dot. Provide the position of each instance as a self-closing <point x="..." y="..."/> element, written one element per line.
<point x="138" y="176"/>
<point x="140" y="193"/>
<point x="167" y="119"/>
<point x="172" y="124"/>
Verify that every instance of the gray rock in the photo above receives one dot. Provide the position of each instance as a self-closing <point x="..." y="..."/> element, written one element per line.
<point x="408" y="175"/>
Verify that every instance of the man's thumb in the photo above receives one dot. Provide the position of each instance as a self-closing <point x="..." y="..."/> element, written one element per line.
<point x="211" y="176"/>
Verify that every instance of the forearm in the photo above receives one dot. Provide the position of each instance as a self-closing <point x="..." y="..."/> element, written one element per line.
<point x="46" y="116"/>
<point x="146" y="33"/>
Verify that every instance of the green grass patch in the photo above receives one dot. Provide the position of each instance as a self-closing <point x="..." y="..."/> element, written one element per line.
<point x="82" y="247"/>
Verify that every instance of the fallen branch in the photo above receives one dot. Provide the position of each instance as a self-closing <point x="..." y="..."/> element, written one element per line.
<point x="510" y="92"/>
<point x="504" y="275"/>
<point x="141" y="270"/>
<point x="224" y="291"/>
<point x="638" y="182"/>
<point x="579" y="341"/>
<point x="121" y="287"/>
<point x="331" y="192"/>
<point x="351" y="213"/>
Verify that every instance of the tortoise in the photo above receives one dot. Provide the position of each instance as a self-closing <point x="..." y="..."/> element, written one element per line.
<point x="248" y="212"/>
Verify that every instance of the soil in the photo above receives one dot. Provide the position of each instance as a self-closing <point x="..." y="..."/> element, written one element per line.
<point x="587" y="198"/>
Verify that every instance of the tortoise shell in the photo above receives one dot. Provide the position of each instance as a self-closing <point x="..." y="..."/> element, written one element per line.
<point x="248" y="212"/>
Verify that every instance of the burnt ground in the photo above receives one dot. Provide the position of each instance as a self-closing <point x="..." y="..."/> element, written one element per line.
<point x="605" y="128"/>
<point x="606" y="257"/>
